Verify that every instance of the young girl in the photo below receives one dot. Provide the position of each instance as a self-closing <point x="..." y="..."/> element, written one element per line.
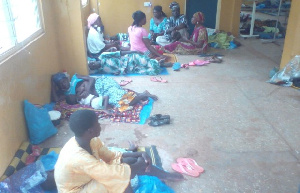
<point x="138" y="36"/>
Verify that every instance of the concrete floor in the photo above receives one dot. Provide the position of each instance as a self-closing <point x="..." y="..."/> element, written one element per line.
<point x="243" y="131"/>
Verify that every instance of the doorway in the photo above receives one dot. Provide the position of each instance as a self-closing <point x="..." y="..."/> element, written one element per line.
<point x="207" y="7"/>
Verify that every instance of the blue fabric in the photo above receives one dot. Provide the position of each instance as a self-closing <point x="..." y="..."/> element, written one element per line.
<point x="49" y="106"/>
<point x="26" y="179"/>
<point x="73" y="84"/>
<point x="38" y="122"/>
<point x="151" y="184"/>
<point x="49" y="160"/>
<point x="106" y="86"/>
<point x="146" y="111"/>
<point x="158" y="28"/>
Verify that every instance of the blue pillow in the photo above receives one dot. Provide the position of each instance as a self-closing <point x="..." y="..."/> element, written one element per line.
<point x="38" y="122"/>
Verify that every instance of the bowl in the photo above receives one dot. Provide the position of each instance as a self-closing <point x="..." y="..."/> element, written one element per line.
<point x="55" y="117"/>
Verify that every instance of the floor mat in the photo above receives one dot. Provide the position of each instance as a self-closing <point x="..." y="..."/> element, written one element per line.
<point x="146" y="111"/>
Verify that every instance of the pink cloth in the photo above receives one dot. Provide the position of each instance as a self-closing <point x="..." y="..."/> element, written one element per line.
<point x="91" y="19"/>
<point x="136" y="35"/>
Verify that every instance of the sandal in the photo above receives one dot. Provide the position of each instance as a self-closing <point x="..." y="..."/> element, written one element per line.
<point x="214" y="59"/>
<point x="156" y="123"/>
<point x="155" y="79"/>
<point x="158" y="117"/>
<point x="125" y="82"/>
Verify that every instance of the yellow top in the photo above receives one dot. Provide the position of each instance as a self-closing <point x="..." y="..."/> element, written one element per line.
<point x="77" y="170"/>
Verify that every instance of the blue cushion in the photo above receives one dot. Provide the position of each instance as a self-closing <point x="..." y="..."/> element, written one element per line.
<point x="38" y="122"/>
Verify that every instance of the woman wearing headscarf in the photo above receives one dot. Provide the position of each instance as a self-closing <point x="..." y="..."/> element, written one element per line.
<point x="157" y="23"/>
<point x="95" y="41"/>
<point x="197" y="43"/>
<point x="176" y="27"/>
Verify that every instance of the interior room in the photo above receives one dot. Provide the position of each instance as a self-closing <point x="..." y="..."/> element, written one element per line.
<point x="223" y="119"/>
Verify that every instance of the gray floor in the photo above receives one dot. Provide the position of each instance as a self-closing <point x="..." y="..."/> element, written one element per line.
<point x="243" y="131"/>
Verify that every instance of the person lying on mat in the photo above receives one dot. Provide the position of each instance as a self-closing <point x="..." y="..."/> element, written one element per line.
<point x="83" y="86"/>
<point x="198" y="43"/>
<point x="95" y="40"/>
<point x="85" y="164"/>
<point x="176" y="27"/>
<point x="125" y="62"/>
<point x="139" y="40"/>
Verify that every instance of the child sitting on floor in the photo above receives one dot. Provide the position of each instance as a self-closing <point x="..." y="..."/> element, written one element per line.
<point x="93" y="101"/>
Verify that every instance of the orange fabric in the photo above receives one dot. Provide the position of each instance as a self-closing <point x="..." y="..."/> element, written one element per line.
<point x="77" y="170"/>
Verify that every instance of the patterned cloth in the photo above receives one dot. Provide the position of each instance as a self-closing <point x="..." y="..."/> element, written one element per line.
<point x="76" y="170"/>
<point x="172" y="22"/>
<point x="199" y="34"/>
<point x="114" y="63"/>
<point x="161" y="27"/>
<point x="130" y="116"/>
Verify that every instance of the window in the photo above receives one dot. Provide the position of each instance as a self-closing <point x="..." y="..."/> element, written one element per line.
<point x="20" y="23"/>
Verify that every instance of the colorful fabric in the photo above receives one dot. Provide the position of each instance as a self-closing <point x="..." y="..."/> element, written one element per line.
<point x="161" y="27"/>
<point x="77" y="170"/>
<point x="199" y="35"/>
<point x="106" y="86"/>
<point x="114" y="63"/>
<point x="125" y="101"/>
<point x="220" y="40"/>
<point x="130" y="116"/>
<point x="136" y="35"/>
<point x="172" y="22"/>
<point x="91" y="19"/>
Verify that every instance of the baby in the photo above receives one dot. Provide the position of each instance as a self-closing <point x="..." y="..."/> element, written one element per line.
<point x="93" y="101"/>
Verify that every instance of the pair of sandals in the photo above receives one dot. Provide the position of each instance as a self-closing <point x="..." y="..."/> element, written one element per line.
<point x="158" y="120"/>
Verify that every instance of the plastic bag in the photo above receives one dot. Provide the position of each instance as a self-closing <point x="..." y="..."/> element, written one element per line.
<point x="285" y="76"/>
<point x="149" y="184"/>
<point x="26" y="180"/>
<point x="38" y="123"/>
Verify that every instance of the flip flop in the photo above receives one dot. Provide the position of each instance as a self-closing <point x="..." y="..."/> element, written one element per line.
<point x="125" y="82"/>
<point x="185" y="170"/>
<point x="176" y="66"/>
<point x="189" y="162"/>
<point x="201" y="62"/>
<point x="155" y="79"/>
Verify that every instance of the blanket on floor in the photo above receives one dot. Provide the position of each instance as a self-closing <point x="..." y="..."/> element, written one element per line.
<point x="130" y="116"/>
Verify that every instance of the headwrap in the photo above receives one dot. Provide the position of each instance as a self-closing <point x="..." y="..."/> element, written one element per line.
<point x="58" y="76"/>
<point x="199" y="17"/>
<point x="174" y="4"/>
<point x="91" y="19"/>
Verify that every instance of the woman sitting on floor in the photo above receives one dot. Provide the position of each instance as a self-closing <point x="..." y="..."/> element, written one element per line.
<point x="176" y="27"/>
<point x="83" y="86"/>
<point x="198" y="42"/>
<point x="95" y="41"/>
<point x="139" y="40"/>
<point x="157" y="23"/>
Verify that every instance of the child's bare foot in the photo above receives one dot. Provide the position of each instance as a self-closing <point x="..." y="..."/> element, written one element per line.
<point x="132" y="146"/>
